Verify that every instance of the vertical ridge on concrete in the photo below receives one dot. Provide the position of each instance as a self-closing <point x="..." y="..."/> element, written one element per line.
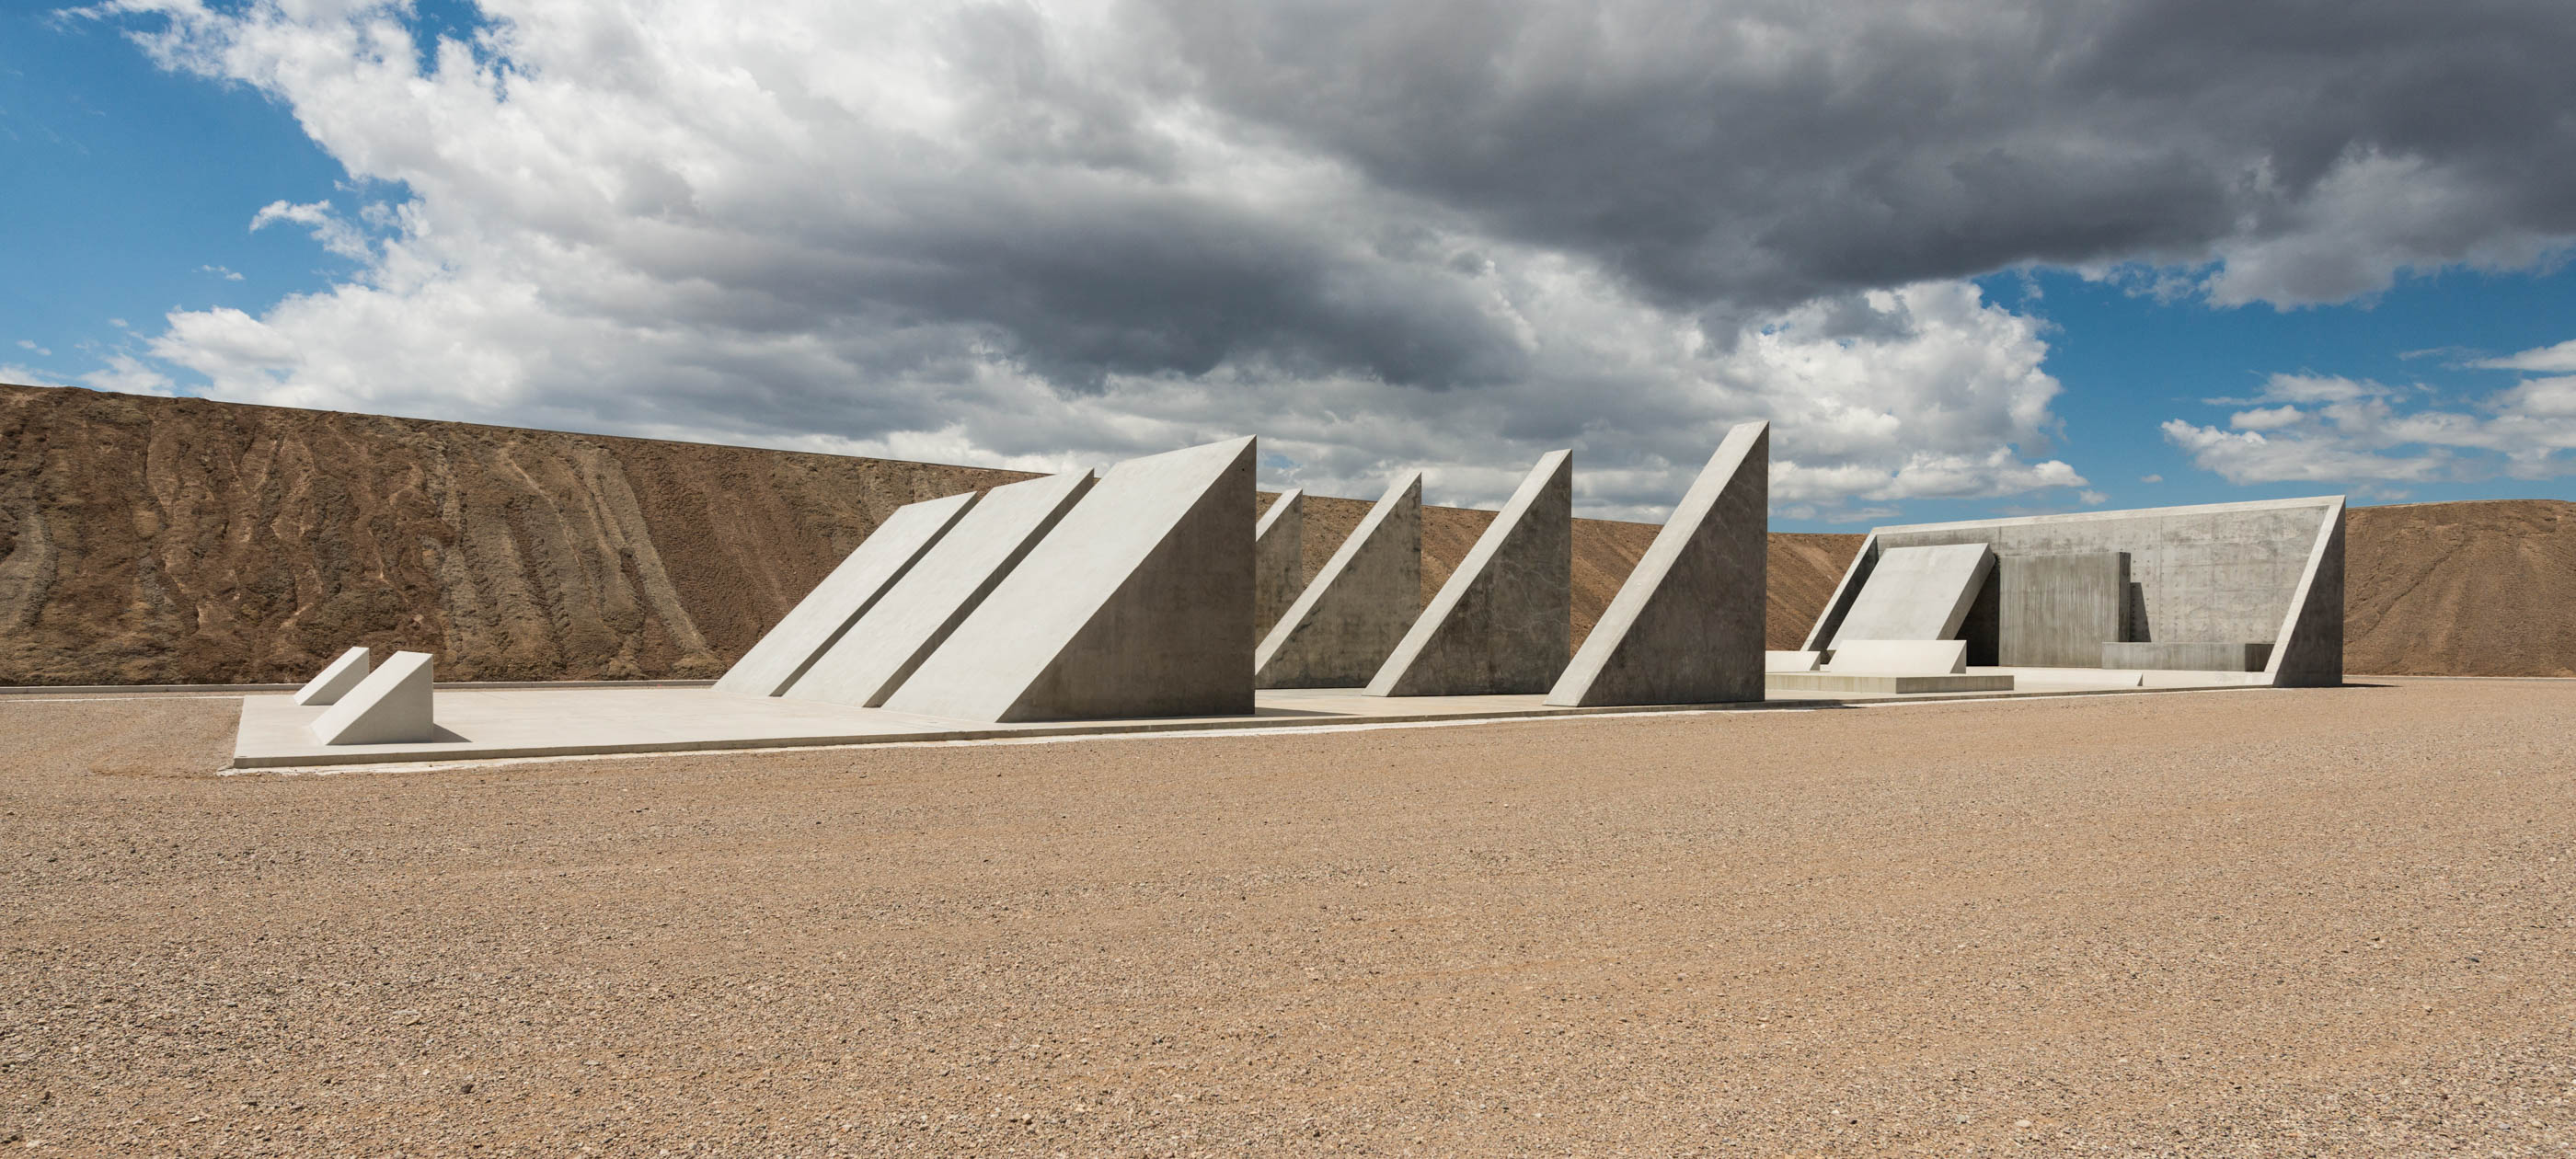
<point x="390" y="706"/>
<point x="2308" y="653"/>
<point x="820" y="619"/>
<point x="1278" y="559"/>
<point x="1687" y="625"/>
<point x="1347" y="622"/>
<point x="1501" y="623"/>
<point x="1138" y="604"/>
<point x="336" y="680"/>
<point x="1918" y="593"/>
<point x="919" y="611"/>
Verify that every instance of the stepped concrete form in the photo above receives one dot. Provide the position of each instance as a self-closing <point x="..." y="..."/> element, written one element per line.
<point x="1900" y="657"/>
<point x="826" y="613"/>
<point x="1137" y="604"/>
<point x="391" y="706"/>
<point x="955" y="576"/>
<point x="1345" y="624"/>
<point x="1918" y="593"/>
<point x="1502" y="622"/>
<point x="336" y="680"/>
<point x="1686" y="627"/>
<point x="1278" y="559"/>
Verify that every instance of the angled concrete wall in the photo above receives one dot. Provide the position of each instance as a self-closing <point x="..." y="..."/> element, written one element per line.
<point x="919" y="611"/>
<point x="2056" y="611"/>
<point x="1345" y="624"/>
<point x="2309" y="651"/>
<point x="1917" y="593"/>
<point x="1686" y="627"/>
<point x="817" y="621"/>
<point x="1278" y="559"/>
<point x="391" y="706"/>
<point x="1138" y="604"/>
<point x="336" y="680"/>
<point x="1502" y="622"/>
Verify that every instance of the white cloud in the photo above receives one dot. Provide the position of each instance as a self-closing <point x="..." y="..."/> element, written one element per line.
<point x="30" y="344"/>
<point x="2092" y="498"/>
<point x="2151" y="478"/>
<point x="17" y="375"/>
<point x="126" y="374"/>
<point x="2338" y="429"/>
<point x="2559" y="359"/>
<point x="334" y="232"/>
<point x="221" y="272"/>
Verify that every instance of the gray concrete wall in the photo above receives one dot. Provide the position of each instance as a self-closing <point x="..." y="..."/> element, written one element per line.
<point x="2056" y="611"/>
<point x="1346" y="623"/>
<point x="1503" y="621"/>
<point x="2310" y="651"/>
<point x="2185" y="656"/>
<point x="1278" y="559"/>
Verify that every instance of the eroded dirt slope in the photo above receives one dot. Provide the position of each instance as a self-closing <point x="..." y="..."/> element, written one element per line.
<point x="2461" y="589"/>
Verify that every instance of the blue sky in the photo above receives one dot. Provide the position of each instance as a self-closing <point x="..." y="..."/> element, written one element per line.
<point x="497" y="221"/>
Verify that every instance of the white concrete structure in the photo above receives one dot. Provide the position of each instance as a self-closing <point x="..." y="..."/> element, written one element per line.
<point x="336" y="680"/>
<point x="1138" y="604"/>
<point x="1278" y="558"/>
<point x="1777" y="661"/>
<point x="954" y="577"/>
<point x="818" y="620"/>
<point x="1918" y="593"/>
<point x="1900" y="657"/>
<point x="391" y="706"/>
<point x="1502" y="622"/>
<point x="1344" y="625"/>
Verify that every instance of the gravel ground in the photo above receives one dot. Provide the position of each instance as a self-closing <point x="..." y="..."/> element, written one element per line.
<point x="2274" y="922"/>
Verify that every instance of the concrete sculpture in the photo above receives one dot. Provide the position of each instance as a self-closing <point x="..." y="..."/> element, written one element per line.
<point x="391" y="706"/>
<point x="919" y="612"/>
<point x="1278" y="559"/>
<point x="1138" y="604"/>
<point x="817" y="621"/>
<point x="2056" y="611"/>
<point x="1687" y="626"/>
<point x="1343" y="626"/>
<point x="1918" y="593"/>
<point x="1501" y="623"/>
<point x="336" y="680"/>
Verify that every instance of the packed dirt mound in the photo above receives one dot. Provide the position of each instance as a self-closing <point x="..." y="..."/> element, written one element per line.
<point x="2461" y="589"/>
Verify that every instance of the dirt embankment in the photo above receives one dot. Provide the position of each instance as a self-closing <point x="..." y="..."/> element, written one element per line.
<point x="2461" y="589"/>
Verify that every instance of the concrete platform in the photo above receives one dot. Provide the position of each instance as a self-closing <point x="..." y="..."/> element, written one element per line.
<point x="1885" y="683"/>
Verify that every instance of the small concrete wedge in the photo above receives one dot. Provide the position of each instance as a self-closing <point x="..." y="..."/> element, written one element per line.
<point x="1344" y="625"/>
<point x="954" y="577"/>
<point x="391" y="706"/>
<point x="1687" y="626"/>
<point x="1138" y="604"/>
<point x="826" y="613"/>
<point x="1501" y="623"/>
<point x="336" y="680"/>
<point x="1918" y="593"/>
<point x="1278" y="559"/>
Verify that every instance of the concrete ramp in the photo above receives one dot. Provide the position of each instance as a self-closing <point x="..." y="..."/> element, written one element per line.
<point x="336" y="680"/>
<point x="1918" y="593"/>
<point x="1901" y="657"/>
<point x="1278" y="559"/>
<point x="1138" y="604"/>
<point x="1501" y="623"/>
<point x="951" y="580"/>
<point x="1687" y="626"/>
<point x="817" y="621"/>
<point x="390" y="706"/>
<point x="1346" y="623"/>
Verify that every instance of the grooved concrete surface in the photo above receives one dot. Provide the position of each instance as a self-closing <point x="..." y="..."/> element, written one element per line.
<point x="1278" y="558"/>
<point x="2056" y="611"/>
<point x="1501" y="623"/>
<point x="1346" y="623"/>
<point x="825" y="614"/>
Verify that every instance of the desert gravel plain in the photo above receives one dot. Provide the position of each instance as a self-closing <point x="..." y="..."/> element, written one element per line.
<point x="2331" y="922"/>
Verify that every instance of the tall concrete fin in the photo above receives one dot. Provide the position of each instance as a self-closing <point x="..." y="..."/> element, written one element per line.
<point x="2309" y="650"/>
<point x="390" y="706"/>
<point x="919" y="612"/>
<point x="336" y="680"/>
<point x="1278" y="558"/>
<point x="811" y="627"/>
<point x="1346" y="623"/>
<point x="1138" y="604"/>
<point x="1502" y="621"/>
<point x="1686" y="627"/>
<point x="1918" y="593"/>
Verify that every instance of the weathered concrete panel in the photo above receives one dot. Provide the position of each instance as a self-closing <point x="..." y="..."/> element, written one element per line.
<point x="391" y="706"/>
<point x="2056" y="611"/>
<point x="336" y="680"/>
<point x="1502" y="622"/>
<point x="2187" y="656"/>
<point x="1278" y="559"/>
<point x="1904" y="657"/>
<point x="1139" y="603"/>
<point x="917" y="614"/>
<point x="2310" y="652"/>
<point x="1885" y="684"/>
<point x="1917" y="593"/>
<point x="1686" y="627"/>
<point x="817" y="621"/>
<point x="1346" y="623"/>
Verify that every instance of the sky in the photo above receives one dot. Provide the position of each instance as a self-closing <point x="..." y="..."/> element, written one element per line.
<point x="1969" y="259"/>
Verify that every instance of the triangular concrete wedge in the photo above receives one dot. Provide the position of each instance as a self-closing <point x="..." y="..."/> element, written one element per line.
<point x="917" y="614"/>
<point x="1346" y="623"/>
<point x="390" y="706"/>
<point x="1687" y="626"/>
<point x="1918" y="593"/>
<point x="1278" y="558"/>
<point x="336" y="680"/>
<point x="1138" y="604"/>
<point x="1501" y="622"/>
<point x="865" y="575"/>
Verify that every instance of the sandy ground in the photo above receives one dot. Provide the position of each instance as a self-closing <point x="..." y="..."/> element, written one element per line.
<point x="2243" y="923"/>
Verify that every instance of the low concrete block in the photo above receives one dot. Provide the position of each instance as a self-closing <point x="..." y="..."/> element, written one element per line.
<point x="2186" y="655"/>
<point x="1344" y="625"/>
<point x="1687" y="626"/>
<point x="1501" y="623"/>
<point x="1278" y="559"/>
<point x="1774" y="661"/>
<point x="336" y="680"/>
<point x="391" y="706"/>
<point x="1138" y="604"/>
<point x="953" y="578"/>
<point x="819" y="620"/>
<point x="1873" y="684"/>
<point x="1917" y="593"/>
<point x="1900" y="657"/>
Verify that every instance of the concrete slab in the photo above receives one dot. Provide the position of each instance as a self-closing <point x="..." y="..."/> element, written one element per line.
<point x="1863" y="683"/>
<point x="2187" y="655"/>
<point x="1502" y="622"/>
<point x="336" y="679"/>
<point x="1138" y="604"/>
<point x="819" y="620"/>
<point x="1341" y="629"/>
<point x="1917" y="593"/>
<point x="1278" y="559"/>
<point x="1687" y="625"/>
<point x="1900" y="657"/>
<point x="391" y="706"/>
<point x="1777" y="661"/>
<point x="952" y="579"/>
